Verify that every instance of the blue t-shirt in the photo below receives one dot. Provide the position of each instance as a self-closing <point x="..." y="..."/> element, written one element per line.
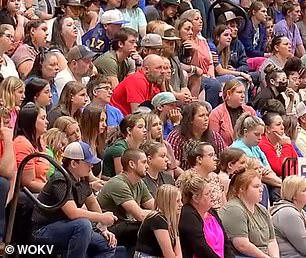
<point x="253" y="151"/>
<point x="214" y="51"/>
<point x="114" y="115"/>
<point x="96" y="39"/>
<point x="168" y="127"/>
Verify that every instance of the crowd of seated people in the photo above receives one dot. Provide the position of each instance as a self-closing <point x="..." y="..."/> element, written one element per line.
<point x="174" y="139"/>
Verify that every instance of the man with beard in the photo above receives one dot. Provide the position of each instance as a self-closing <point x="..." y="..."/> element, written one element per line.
<point x="79" y="67"/>
<point x="140" y="86"/>
<point x="179" y="78"/>
<point x="127" y="196"/>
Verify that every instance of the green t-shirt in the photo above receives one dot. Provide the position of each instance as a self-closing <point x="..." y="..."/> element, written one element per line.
<point x="108" y="65"/>
<point x="240" y="222"/>
<point x="52" y="168"/>
<point x="119" y="190"/>
<point x="114" y="151"/>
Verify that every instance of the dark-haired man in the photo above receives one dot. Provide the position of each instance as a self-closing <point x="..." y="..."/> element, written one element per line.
<point x="99" y="90"/>
<point x="116" y="64"/>
<point x="127" y="196"/>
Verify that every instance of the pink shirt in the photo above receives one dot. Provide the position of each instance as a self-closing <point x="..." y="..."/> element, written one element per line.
<point x="214" y="235"/>
<point x="13" y="115"/>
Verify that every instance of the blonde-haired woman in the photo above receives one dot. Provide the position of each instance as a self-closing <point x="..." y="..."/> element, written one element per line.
<point x="56" y="142"/>
<point x="289" y="218"/>
<point x="249" y="130"/>
<point x="202" y="58"/>
<point x="12" y="93"/>
<point x="158" y="234"/>
<point x="154" y="127"/>
<point x="70" y="126"/>
<point x="246" y="222"/>
<point x="201" y="231"/>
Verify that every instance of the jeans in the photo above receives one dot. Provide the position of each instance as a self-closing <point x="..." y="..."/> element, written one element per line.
<point x="212" y="89"/>
<point x="225" y="78"/>
<point x="4" y="189"/>
<point x="76" y="237"/>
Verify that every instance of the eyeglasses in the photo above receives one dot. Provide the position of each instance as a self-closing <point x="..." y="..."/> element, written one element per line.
<point x="106" y="88"/>
<point x="210" y="155"/>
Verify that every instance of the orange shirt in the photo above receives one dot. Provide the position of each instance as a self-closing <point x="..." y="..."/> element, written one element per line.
<point x="40" y="166"/>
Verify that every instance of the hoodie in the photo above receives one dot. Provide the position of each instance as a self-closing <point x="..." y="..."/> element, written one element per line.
<point x="290" y="229"/>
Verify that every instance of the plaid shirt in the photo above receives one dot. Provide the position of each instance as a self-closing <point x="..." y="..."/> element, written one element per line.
<point x="178" y="142"/>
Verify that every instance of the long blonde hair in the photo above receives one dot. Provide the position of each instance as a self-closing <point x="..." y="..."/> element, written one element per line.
<point x="149" y="118"/>
<point x="54" y="138"/>
<point x="7" y="91"/>
<point x="165" y="201"/>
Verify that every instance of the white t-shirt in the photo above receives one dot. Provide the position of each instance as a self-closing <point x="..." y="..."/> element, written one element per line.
<point x="65" y="76"/>
<point x="8" y="69"/>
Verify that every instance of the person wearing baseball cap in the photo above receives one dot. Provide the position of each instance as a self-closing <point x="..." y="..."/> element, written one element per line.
<point x="165" y="104"/>
<point x="177" y="80"/>
<point x="79" y="67"/>
<point x="98" y="39"/>
<point x="69" y="228"/>
<point x="301" y="137"/>
<point x="166" y="11"/>
<point x="151" y="44"/>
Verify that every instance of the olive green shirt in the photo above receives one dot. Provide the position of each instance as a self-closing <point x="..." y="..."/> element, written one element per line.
<point x="113" y="151"/>
<point x="109" y="65"/>
<point x="238" y="221"/>
<point x="119" y="190"/>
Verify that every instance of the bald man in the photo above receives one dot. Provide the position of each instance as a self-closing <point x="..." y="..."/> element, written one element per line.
<point x="140" y="86"/>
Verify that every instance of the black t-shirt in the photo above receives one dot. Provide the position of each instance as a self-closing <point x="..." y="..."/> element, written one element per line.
<point x="234" y="114"/>
<point x="53" y="192"/>
<point x="263" y="96"/>
<point x="147" y="242"/>
<point x="163" y="178"/>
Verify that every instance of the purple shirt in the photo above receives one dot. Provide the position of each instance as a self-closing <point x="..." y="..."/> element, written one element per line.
<point x="293" y="33"/>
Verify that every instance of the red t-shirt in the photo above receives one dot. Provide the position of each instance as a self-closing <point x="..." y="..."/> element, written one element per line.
<point x="135" y="88"/>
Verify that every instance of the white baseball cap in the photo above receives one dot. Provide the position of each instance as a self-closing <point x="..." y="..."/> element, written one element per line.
<point x="80" y="151"/>
<point x="113" y="16"/>
<point x="301" y="109"/>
